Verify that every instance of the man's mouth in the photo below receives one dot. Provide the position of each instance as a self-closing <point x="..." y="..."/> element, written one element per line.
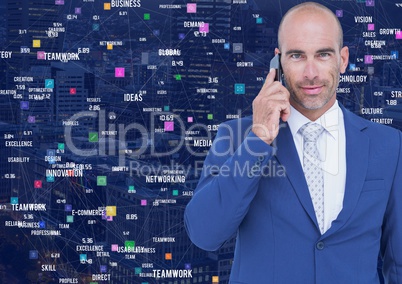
<point x="312" y="90"/>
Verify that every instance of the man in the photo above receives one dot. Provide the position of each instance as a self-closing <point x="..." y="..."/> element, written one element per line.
<point x="306" y="209"/>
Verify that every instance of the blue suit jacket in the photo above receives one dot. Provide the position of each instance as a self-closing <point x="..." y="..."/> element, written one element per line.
<point x="260" y="192"/>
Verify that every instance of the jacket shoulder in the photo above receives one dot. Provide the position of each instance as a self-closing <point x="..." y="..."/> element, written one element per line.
<point x="239" y="123"/>
<point x="370" y="125"/>
<point x="235" y="129"/>
<point x="375" y="131"/>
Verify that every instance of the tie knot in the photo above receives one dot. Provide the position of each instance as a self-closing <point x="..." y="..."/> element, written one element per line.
<point x="311" y="131"/>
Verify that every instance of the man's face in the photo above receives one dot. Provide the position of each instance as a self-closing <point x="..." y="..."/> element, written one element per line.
<point x="312" y="60"/>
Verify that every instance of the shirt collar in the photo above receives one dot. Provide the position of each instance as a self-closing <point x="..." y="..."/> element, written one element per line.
<point x="329" y="120"/>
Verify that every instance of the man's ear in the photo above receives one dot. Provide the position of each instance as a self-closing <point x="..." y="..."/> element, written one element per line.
<point x="344" y="59"/>
<point x="277" y="51"/>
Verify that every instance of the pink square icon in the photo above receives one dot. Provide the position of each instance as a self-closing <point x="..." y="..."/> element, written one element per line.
<point x="204" y="28"/>
<point x="368" y="59"/>
<point x="370" y="27"/>
<point x="115" y="247"/>
<point x="37" y="184"/>
<point x="143" y="202"/>
<point x="398" y="35"/>
<point x="169" y="126"/>
<point x="119" y="72"/>
<point x="191" y="8"/>
<point x="190" y="119"/>
<point x="40" y="55"/>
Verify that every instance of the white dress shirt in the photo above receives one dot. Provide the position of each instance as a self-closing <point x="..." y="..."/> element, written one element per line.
<point x="332" y="150"/>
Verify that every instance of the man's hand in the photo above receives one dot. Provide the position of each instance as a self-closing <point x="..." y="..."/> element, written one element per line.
<point x="271" y="104"/>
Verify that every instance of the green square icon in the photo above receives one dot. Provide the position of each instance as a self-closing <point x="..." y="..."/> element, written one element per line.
<point x="93" y="137"/>
<point x="101" y="181"/>
<point x="147" y="16"/>
<point x="210" y="116"/>
<point x="60" y="146"/>
<point x="131" y="188"/>
<point x="166" y="108"/>
<point x="175" y="192"/>
<point x="70" y="219"/>
<point x="178" y="77"/>
<point x="138" y="270"/>
<point x="129" y="245"/>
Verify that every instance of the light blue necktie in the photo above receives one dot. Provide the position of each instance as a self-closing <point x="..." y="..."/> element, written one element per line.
<point x="312" y="169"/>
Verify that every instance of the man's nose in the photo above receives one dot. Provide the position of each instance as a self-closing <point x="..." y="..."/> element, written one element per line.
<point x="310" y="69"/>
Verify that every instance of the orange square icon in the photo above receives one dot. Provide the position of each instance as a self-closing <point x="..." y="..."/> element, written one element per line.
<point x="215" y="279"/>
<point x="109" y="46"/>
<point x="106" y="6"/>
<point x="168" y="256"/>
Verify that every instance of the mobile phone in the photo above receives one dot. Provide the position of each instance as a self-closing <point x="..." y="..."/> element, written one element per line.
<point x="276" y="64"/>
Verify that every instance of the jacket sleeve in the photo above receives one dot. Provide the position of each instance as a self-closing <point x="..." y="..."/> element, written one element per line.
<point x="391" y="242"/>
<point x="227" y="186"/>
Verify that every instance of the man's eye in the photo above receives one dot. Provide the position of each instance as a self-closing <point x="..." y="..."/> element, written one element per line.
<point x="295" y="56"/>
<point x="324" y="54"/>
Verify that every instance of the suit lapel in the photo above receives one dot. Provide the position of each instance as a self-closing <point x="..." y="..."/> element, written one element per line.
<point x="357" y="149"/>
<point x="288" y="157"/>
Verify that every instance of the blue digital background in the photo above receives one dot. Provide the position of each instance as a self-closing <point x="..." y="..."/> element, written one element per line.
<point x="123" y="130"/>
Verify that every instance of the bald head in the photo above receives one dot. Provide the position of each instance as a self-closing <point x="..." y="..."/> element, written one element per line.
<point x="312" y="9"/>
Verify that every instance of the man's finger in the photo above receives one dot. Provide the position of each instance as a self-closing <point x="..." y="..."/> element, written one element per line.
<point x="285" y="113"/>
<point x="270" y="77"/>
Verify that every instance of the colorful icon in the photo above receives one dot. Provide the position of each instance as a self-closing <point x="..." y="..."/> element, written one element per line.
<point x="101" y="181"/>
